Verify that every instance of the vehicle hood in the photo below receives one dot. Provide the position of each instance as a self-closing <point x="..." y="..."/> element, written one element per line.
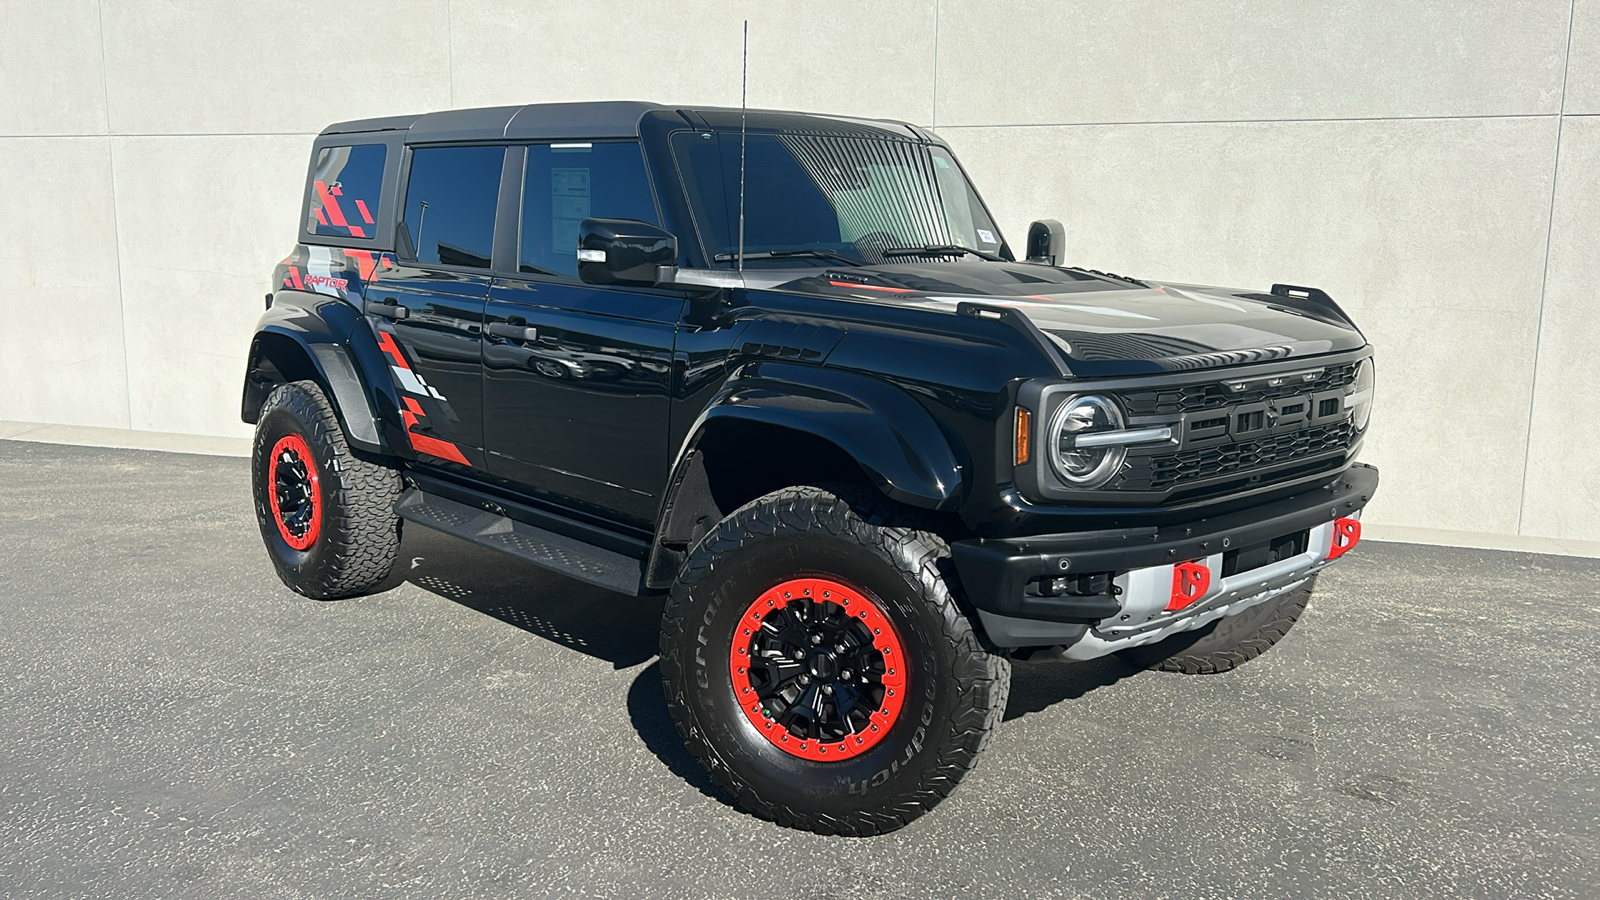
<point x="1104" y="325"/>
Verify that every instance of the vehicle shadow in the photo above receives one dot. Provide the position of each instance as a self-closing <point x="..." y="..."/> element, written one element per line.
<point x="1038" y="685"/>
<point x="624" y="631"/>
<point x="619" y="629"/>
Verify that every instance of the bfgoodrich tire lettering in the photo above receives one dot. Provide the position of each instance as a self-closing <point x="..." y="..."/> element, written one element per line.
<point x="356" y="535"/>
<point x="955" y="690"/>
<point x="1229" y="642"/>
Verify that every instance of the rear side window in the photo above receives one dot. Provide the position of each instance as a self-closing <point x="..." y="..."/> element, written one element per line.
<point x="345" y="185"/>
<point x="450" y="204"/>
<point x="569" y="182"/>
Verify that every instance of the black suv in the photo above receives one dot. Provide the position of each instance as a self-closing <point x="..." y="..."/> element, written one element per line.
<point x="785" y="370"/>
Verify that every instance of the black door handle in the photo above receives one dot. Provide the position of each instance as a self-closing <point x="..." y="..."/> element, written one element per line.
<point x="387" y="310"/>
<point x="514" y="332"/>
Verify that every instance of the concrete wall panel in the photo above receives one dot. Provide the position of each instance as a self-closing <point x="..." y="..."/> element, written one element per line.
<point x="834" y="56"/>
<point x="1049" y="62"/>
<point x="61" y="347"/>
<point x="1583" y="73"/>
<point x="193" y="67"/>
<point x="202" y="221"/>
<point x="1430" y="232"/>
<point x="50" y="75"/>
<point x="1563" y="497"/>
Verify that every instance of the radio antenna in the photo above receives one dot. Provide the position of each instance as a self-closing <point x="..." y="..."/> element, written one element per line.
<point x="744" y="80"/>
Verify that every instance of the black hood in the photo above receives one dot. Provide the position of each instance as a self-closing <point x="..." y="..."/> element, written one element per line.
<point x="1104" y="325"/>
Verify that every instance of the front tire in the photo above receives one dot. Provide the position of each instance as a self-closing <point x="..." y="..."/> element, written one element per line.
<point x="326" y="515"/>
<point x="1230" y="641"/>
<point x="867" y="697"/>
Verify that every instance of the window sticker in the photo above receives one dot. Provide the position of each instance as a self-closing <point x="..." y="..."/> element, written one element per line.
<point x="986" y="236"/>
<point x="569" y="205"/>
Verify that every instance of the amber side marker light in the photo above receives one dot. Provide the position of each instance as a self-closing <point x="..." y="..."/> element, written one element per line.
<point x="1024" y="436"/>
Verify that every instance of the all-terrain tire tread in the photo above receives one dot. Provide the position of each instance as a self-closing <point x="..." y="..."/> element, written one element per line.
<point x="358" y="498"/>
<point x="983" y="679"/>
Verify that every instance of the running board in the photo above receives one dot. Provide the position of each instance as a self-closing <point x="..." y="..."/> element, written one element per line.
<point x="557" y="552"/>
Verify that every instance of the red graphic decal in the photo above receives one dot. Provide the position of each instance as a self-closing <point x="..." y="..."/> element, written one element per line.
<point x="387" y="345"/>
<point x="871" y="287"/>
<point x="1346" y="534"/>
<point x="423" y="443"/>
<point x="1190" y="581"/>
<point x="326" y="281"/>
<point x="361" y="207"/>
<point x="294" y="278"/>
<point x="336" y="190"/>
<point x="364" y="260"/>
<point x="321" y="219"/>
<point x="355" y="231"/>
<point x="331" y="205"/>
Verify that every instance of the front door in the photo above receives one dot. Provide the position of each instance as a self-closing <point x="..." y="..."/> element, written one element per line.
<point x="576" y="377"/>
<point x="428" y="312"/>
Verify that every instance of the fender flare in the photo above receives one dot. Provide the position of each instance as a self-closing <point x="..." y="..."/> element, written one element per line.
<point x="897" y="442"/>
<point x="324" y="356"/>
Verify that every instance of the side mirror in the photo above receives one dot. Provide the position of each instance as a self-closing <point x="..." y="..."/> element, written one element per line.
<point x="624" y="251"/>
<point x="1047" y="242"/>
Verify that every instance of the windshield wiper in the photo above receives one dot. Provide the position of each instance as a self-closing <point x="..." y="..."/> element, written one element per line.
<point x="932" y="250"/>
<point x="798" y="252"/>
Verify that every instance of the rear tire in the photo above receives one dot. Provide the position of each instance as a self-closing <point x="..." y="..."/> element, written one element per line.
<point x="950" y="692"/>
<point x="326" y="515"/>
<point x="1230" y="641"/>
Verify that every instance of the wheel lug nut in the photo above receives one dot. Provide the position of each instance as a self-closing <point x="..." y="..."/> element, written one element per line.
<point x="805" y="679"/>
<point x="827" y="689"/>
<point x="816" y="639"/>
<point x="845" y="674"/>
<point x="799" y="654"/>
<point x="838" y="648"/>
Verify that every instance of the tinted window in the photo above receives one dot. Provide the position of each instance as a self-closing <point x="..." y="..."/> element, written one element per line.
<point x="450" y="203"/>
<point x="567" y="183"/>
<point x="854" y="197"/>
<point x="345" y="186"/>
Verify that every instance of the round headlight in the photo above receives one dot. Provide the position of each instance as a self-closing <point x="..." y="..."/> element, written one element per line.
<point x="1358" y="394"/>
<point x="1085" y="467"/>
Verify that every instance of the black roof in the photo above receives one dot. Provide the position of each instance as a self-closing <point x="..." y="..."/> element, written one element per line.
<point x="598" y="119"/>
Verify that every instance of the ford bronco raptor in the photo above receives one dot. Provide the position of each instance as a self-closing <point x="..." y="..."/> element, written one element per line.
<point x="785" y="370"/>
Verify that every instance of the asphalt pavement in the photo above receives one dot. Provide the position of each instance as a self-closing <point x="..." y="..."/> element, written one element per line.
<point x="176" y="723"/>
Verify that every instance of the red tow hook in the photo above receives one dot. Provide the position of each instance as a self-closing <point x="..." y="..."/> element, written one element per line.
<point x="1190" y="581"/>
<point x="1346" y="534"/>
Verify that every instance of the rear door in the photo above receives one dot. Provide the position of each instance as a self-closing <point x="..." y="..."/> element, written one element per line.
<point x="576" y="376"/>
<point x="428" y="311"/>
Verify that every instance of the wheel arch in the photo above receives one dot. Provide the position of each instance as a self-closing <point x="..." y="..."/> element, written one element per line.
<point x="279" y="355"/>
<point x="791" y="425"/>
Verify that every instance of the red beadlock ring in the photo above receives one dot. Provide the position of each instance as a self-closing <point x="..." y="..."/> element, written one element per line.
<point x="884" y="639"/>
<point x="296" y="446"/>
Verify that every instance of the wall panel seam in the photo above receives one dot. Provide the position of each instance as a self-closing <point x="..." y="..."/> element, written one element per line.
<point x="116" y="219"/>
<point x="1544" y="276"/>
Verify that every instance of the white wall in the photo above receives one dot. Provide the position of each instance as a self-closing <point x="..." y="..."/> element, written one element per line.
<point x="1434" y="164"/>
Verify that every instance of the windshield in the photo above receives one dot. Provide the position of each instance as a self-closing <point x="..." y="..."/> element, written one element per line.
<point x="820" y="199"/>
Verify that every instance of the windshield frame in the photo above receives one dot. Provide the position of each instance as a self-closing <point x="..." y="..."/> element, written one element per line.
<point x="692" y="203"/>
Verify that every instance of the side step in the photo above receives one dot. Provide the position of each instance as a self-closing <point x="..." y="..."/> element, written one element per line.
<point x="557" y="552"/>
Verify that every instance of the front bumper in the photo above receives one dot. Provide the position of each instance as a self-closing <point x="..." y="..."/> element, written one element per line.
<point x="1002" y="576"/>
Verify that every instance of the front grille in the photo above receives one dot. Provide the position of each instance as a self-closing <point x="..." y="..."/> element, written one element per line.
<point x="1205" y="463"/>
<point x="1215" y="395"/>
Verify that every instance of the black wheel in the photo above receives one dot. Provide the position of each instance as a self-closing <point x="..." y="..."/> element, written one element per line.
<point x="818" y="667"/>
<point x="1229" y="642"/>
<point x="327" y="516"/>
